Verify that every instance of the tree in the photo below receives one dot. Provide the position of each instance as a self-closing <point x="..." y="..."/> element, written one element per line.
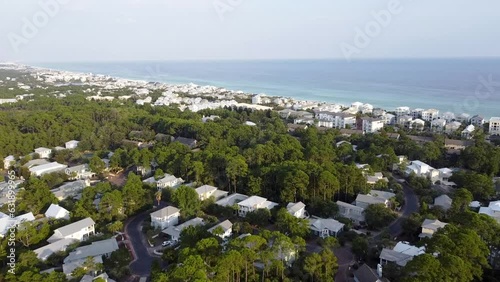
<point x="32" y="232"/>
<point x="294" y="184"/>
<point x="35" y="197"/>
<point x="187" y="200"/>
<point x="133" y="194"/>
<point x="236" y="167"/>
<point x="328" y="185"/>
<point x="288" y="223"/>
<point x="378" y="216"/>
<point x="461" y="200"/>
<point x="360" y="247"/>
<point x="115" y="226"/>
<point x="159" y="174"/>
<point x="480" y="185"/>
<point x="191" y="269"/>
<point x="158" y="195"/>
<point x="258" y="217"/>
<point x="96" y="164"/>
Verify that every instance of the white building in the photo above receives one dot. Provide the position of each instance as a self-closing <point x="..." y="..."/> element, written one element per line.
<point x="57" y="212"/>
<point x="70" y="189"/>
<point x="207" y="191"/>
<point x="431" y="226"/>
<point x="257" y="99"/>
<point x="416" y="113"/>
<point x="430" y="114"/>
<point x="443" y="201"/>
<point x="477" y="120"/>
<point x="254" y="203"/>
<point x="79" y="230"/>
<point x="8" y="162"/>
<point x="422" y="169"/>
<point x="58" y="246"/>
<point x="227" y="229"/>
<point x="71" y="144"/>
<point x="372" y="125"/>
<point x="463" y="117"/>
<point x="335" y="120"/>
<point x="438" y="125"/>
<point x="493" y="210"/>
<point x="325" y="227"/>
<point x="44" y="153"/>
<point x="468" y="132"/>
<point x="374" y="197"/>
<point x="417" y="124"/>
<point x="79" y="172"/>
<point x="40" y="170"/>
<point x="452" y="127"/>
<point x="402" y="111"/>
<point x="402" y="253"/>
<point x="165" y="217"/>
<point x="7" y="222"/>
<point x="175" y="231"/>
<point x="231" y="200"/>
<point x="98" y="248"/>
<point x="297" y="209"/>
<point x="448" y="116"/>
<point x="356" y="214"/>
<point x="169" y="181"/>
<point x="494" y="126"/>
<point x="404" y="121"/>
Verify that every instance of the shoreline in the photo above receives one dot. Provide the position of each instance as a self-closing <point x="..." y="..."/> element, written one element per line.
<point x="293" y="102"/>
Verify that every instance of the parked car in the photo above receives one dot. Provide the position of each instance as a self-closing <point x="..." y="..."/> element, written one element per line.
<point x="166" y="243"/>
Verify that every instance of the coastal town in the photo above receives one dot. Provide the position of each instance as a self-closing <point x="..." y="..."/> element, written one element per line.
<point x="162" y="182"/>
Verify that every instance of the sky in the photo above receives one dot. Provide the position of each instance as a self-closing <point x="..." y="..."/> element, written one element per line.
<point x="138" y="30"/>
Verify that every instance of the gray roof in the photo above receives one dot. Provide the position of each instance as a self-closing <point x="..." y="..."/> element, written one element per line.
<point x="443" y="201"/>
<point x="396" y="257"/>
<point x="226" y="225"/>
<point x="295" y="207"/>
<point x="175" y="231"/>
<point x="366" y="274"/>
<point x="44" y="252"/>
<point x="97" y="248"/>
<point x="165" y="212"/>
<point x="433" y="224"/>
<point x="75" y="226"/>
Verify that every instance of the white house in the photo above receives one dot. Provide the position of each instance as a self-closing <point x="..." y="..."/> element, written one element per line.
<point x="417" y="124"/>
<point x="57" y="212"/>
<point x="372" y="125"/>
<point x="79" y="230"/>
<point x="422" y="169"/>
<point x="452" y="126"/>
<point x="165" y="217"/>
<point x="58" y="246"/>
<point x="404" y="121"/>
<point x="169" y="181"/>
<point x="40" y="170"/>
<point x="227" y="229"/>
<point x="175" y="231"/>
<point x="438" y="125"/>
<point x="254" y="203"/>
<point x="494" y="126"/>
<point x="402" y="111"/>
<point x="335" y="120"/>
<point x="257" y="99"/>
<point x="297" y="209"/>
<point x="71" y="144"/>
<point x="402" y="253"/>
<point x="448" y="116"/>
<point x="7" y="222"/>
<point x="468" y="132"/>
<point x="8" y="162"/>
<point x="463" y="117"/>
<point x="377" y="176"/>
<point x="355" y="213"/>
<point x="231" y="200"/>
<point x="70" y="189"/>
<point x="416" y="113"/>
<point x="79" y="172"/>
<point x="98" y="248"/>
<point x="44" y="153"/>
<point x="477" y="120"/>
<point x="430" y="226"/>
<point x="207" y="191"/>
<point x="493" y="210"/>
<point x="69" y="267"/>
<point x="374" y="197"/>
<point x="430" y="114"/>
<point x="325" y="227"/>
<point x="443" y="201"/>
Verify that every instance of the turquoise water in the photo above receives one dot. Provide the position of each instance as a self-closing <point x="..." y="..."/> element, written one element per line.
<point x="455" y="85"/>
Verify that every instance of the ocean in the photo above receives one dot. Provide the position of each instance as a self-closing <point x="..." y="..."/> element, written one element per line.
<point x="456" y="85"/>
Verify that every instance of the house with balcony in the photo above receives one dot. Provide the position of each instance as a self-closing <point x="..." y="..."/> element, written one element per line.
<point x="477" y="120"/>
<point x="438" y="125"/>
<point x="80" y="230"/>
<point x="71" y="144"/>
<point x="494" y="127"/>
<point x="452" y="126"/>
<point x="254" y="203"/>
<point x="401" y="254"/>
<point x="493" y="210"/>
<point x="44" y="153"/>
<point x="468" y="132"/>
<point x="165" y="217"/>
<point x="402" y="111"/>
<point x="325" y="227"/>
<point x="371" y="125"/>
<point x="79" y="172"/>
<point x="430" y="114"/>
<point x="422" y="169"/>
<point x="354" y="213"/>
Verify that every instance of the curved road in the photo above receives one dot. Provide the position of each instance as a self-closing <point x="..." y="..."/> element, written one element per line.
<point x="141" y="265"/>
<point x="411" y="206"/>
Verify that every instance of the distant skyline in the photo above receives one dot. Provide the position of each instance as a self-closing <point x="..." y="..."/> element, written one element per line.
<point x="150" y="30"/>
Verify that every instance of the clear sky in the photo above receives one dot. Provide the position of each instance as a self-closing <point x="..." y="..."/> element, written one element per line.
<point x="118" y="30"/>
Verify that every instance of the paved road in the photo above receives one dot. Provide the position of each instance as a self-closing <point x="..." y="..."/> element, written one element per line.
<point x="411" y="206"/>
<point x="141" y="265"/>
<point x="345" y="259"/>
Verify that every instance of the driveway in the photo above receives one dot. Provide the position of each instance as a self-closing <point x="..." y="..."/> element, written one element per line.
<point x="345" y="259"/>
<point x="143" y="257"/>
<point x="411" y="206"/>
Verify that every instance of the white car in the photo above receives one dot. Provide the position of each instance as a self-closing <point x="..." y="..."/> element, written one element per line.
<point x="166" y="243"/>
